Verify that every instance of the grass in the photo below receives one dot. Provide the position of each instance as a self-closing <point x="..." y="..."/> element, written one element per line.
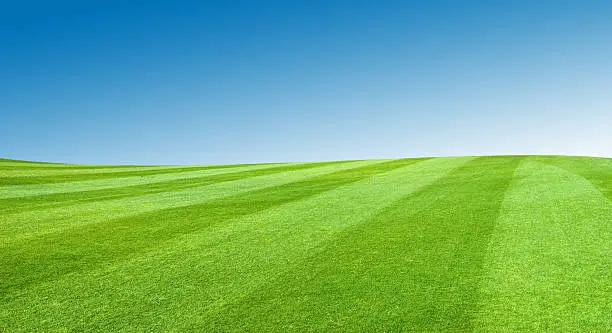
<point x="488" y="244"/>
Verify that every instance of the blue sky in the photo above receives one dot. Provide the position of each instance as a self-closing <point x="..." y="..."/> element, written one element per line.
<point x="185" y="82"/>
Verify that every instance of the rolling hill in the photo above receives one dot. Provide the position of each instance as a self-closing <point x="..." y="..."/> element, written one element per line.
<point x="499" y="243"/>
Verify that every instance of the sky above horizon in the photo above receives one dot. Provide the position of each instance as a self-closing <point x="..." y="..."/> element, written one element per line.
<point x="199" y="82"/>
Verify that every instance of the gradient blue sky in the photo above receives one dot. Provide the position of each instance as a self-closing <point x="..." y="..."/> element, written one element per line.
<point x="177" y="82"/>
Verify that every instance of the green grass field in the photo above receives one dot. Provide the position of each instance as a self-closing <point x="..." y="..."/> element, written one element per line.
<point x="487" y="244"/>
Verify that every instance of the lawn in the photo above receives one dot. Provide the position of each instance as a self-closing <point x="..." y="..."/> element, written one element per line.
<point x="486" y="244"/>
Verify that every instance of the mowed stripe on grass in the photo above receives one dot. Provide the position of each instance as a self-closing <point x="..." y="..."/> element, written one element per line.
<point x="216" y="254"/>
<point x="549" y="266"/>
<point x="58" y="253"/>
<point x="126" y="188"/>
<point x="388" y="245"/>
<point x="414" y="266"/>
<point x="14" y="191"/>
<point x="27" y="177"/>
<point x="27" y="224"/>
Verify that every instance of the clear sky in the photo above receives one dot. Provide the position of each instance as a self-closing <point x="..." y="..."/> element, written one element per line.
<point x="185" y="82"/>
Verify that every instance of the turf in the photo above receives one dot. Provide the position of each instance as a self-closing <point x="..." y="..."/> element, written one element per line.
<point x="489" y="244"/>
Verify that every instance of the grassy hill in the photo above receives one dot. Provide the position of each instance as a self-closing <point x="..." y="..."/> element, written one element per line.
<point x="504" y="243"/>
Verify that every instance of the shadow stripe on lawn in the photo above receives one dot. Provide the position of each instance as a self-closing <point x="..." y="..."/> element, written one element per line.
<point x="20" y="204"/>
<point x="56" y="254"/>
<point x="416" y="266"/>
